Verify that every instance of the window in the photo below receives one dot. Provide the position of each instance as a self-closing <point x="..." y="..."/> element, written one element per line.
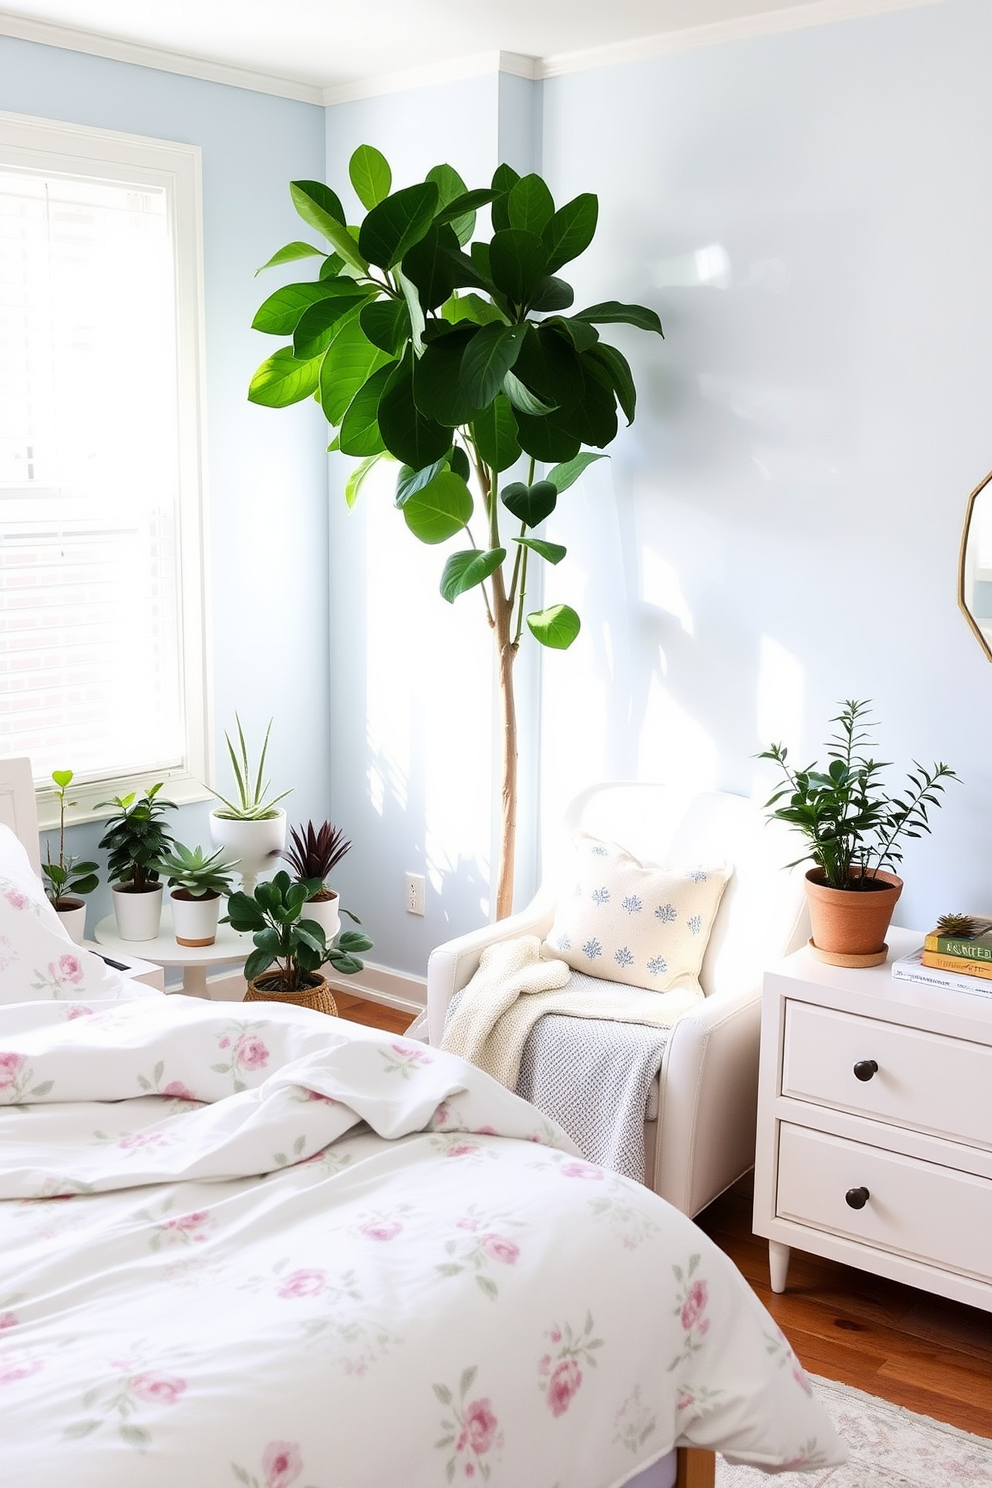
<point x="102" y="666"/>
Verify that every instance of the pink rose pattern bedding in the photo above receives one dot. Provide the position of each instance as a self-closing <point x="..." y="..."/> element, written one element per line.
<point x="269" y="1248"/>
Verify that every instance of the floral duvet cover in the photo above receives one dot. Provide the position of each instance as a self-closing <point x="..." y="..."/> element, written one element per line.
<point x="265" y="1247"/>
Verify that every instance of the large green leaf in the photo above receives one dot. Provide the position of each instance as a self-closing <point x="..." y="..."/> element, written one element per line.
<point x="617" y="368"/>
<point x="354" y="483"/>
<point x="467" y="570"/>
<point x="523" y="400"/>
<point x="279" y="315"/>
<point x="406" y="432"/>
<point x="487" y="359"/>
<point x="432" y="265"/>
<point x="316" y="328"/>
<point x="461" y="212"/>
<point x="414" y="308"/>
<point x="360" y="425"/>
<point x="556" y="627"/>
<point x="563" y="476"/>
<point x="550" y="367"/>
<point x="545" y="440"/>
<point x="458" y="461"/>
<point x="472" y="307"/>
<point x="291" y="252"/>
<point x="370" y="175"/>
<point x="450" y="186"/>
<point x="549" y="551"/>
<point x="504" y="180"/>
<point x="571" y="230"/>
<point x="530" y="205"/>
<point x="440" y="510"/>
<point x="391" y="228"/>
<point x="409" y="482"/>
<point x="282" y="380"/>
<point x="348" y="363"/>
<point x="552" y="294"/>
<point x="495" y="432"/>
<point x="530" y="504"/>
<point x="437" y="381"/>
<point x="581" y="333"/>
<point x="518" y="262"/>
<point x="320" y="208"/>
<point x="593" y="420"/>
<point x="387" y="324"/>
<point x="612" y="311"/>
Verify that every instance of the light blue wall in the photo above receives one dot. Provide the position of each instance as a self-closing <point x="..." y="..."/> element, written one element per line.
<point x="266" y="473"/>
<point x="780" y="528"/>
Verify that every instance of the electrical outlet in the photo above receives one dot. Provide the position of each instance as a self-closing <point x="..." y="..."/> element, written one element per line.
<point x="415" y="893"/>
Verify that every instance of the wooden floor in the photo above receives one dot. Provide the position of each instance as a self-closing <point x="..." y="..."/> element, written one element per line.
<point x="894" y="1341"/>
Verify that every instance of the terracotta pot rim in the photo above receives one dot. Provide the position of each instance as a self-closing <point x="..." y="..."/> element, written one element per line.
<point x="886" y="881"/>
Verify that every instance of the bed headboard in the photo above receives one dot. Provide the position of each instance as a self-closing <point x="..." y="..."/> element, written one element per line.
<point x="18" y="807"/>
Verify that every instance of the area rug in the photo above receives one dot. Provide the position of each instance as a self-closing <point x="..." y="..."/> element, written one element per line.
<point x="890" y="1448"/>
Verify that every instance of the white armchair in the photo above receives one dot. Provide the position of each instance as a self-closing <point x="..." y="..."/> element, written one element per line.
<point x="703" y="1138"/>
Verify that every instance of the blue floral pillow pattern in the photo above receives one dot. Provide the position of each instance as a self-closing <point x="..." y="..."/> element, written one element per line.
<point x="625" y="922"/>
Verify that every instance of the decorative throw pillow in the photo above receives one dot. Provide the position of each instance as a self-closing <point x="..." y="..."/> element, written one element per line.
<point x="625" y="922"/>
<point x="38" y="960"/>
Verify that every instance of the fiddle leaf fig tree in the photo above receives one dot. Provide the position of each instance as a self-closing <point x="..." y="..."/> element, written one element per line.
<point x="461" y="358"/>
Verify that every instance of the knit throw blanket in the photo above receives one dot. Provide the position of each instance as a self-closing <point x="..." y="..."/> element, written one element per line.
<point x="516" y="984"/>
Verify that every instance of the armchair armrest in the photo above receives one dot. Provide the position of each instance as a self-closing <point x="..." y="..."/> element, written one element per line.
<point x="709" y="1098"/>
<point x="452" y="965"/>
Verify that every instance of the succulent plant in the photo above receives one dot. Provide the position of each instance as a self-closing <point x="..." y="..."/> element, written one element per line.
<point x="189" y="869"/>
<point x="958" y="924"/>
<point x="315" y="851"/>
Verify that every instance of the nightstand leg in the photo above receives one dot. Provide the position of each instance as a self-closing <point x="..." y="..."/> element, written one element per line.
<point x="195" y="981"/>
<point x="778" y="1264"/>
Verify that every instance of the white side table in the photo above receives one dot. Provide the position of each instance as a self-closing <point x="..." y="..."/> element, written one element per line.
<point x="874" y="1142"/>
<point x="230" y="948"/>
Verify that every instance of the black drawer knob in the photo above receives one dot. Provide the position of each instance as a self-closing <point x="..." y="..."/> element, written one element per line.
<point x="857" y="1198"/>
<point x="865" y="1068"/>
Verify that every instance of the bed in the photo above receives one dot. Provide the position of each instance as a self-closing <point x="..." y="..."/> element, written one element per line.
<point x="259" y="1245"/>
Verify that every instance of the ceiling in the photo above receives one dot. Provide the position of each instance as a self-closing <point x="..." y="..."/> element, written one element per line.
<point x="333" y="45"/>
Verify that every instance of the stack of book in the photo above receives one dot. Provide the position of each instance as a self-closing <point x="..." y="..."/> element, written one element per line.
<point x="961" y="963"/>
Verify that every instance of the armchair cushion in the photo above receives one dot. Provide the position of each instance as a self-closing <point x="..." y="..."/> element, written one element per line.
<point x="629" y="922"/>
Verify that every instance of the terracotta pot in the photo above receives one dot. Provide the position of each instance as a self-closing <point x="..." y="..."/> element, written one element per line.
<point x="138" y="912"/>
<point x="325" y="912"/>
<point x="194" y="920"/>
<point x="849" y="925"/>
<point x="316" y="996"/>
<point x="72" y="915"/>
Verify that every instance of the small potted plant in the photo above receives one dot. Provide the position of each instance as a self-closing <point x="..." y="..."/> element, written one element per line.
<point x="136" y="839"/>
<point x="252" y="827"/>
<point x="294" y="945"/>
<point x="68" y="878"/>
<point x="854" y="828"/>
<point x="313" y="854"/>
<point x="197" y="882"/>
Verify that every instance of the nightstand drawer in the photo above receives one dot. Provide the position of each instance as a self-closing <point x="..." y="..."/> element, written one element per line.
<point x="917" y="1209"/>
<point x="923" y="1081"/>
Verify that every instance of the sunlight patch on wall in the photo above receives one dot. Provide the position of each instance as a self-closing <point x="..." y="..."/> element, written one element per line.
<point x="673" y="746"/>
<point x="707" y="267"/>
<point x="661" y="588"/>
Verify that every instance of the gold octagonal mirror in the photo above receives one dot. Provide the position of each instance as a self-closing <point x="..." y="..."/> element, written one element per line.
<point x="975" y="565"/>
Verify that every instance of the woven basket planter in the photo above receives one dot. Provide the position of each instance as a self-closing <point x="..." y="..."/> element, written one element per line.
<point x="317" y="997"/>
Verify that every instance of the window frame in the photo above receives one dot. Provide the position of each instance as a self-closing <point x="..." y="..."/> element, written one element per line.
<point x="48" y="145"/>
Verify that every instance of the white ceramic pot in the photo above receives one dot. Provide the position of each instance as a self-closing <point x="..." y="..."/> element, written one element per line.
<point x="139" y="916"/>
<point x="72" y="913"/>
<point x="194" y="921"/>
<point x="255" y="844"/>
<point x="325" y="912"/>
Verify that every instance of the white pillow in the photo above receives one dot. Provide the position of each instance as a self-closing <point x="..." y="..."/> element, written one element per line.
<point x="38" y="959"/>
<point x="625" y="922"/>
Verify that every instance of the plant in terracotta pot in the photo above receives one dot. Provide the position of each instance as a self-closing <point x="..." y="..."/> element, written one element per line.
<point x="136" y="839"/>
<point x="314" y="853"/>
<point x="855" y="827"/>
<point x="197" y="881"/>
<point x="251" y="825"/>
<point x="67" y="880"/>
<point x="295" y="946"/>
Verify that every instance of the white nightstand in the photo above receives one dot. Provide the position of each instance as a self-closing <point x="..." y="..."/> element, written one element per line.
<point x="874" y="1143"/>
<point x="230" y="949"/>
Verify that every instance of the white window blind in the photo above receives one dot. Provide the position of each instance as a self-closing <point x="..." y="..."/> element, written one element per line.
<point x="101" y="644"/>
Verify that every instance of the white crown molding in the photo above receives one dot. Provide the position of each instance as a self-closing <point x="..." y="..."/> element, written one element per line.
<point x="768" y="23"/>
<point x="118" y="50"/>
<point x="479" y="65"/>
<point x="714" y="33"/>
